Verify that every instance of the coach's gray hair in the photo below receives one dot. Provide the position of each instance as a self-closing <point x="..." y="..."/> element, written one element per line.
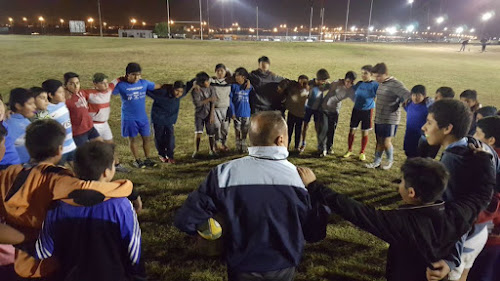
<point x="266" y="127"/>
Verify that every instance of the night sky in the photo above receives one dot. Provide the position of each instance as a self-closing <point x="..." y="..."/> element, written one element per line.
<point x="272" y="12"/>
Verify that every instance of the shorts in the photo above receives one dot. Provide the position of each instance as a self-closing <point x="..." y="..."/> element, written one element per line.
<point x="385" y="130"/>
<point x="200" y="123"/>
<point x="85" y="137"/>
<point x="241" y="123"/>
<point x="361" y="116"/>
<point x="131" y="128"/>
<point x="318" y="115"/>
<point x="472" y="249"/>
<point x="104" y="130"/>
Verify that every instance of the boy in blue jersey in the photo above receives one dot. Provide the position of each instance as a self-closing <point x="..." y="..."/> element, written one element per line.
<point x="105" y="234"/>
<point x="164" y="115"/>
<point x="362" y="112"/>
<point x="240" y="107"/>
<point x="22" y="105"/>
<point x="134" y="118"/>
<point x="11" y="157"/>
<point x="416" y="116"/>
<point x="58" y="111"/>
<point x="319" y="87"/>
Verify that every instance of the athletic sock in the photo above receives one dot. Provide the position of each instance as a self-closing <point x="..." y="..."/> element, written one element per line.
<point x="350" y="141"/>
<point x="390" y="154"/>
<point x="364" y="143"/>
<point x="378" y="157"/>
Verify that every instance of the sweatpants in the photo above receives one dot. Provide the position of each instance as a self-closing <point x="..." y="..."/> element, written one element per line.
<point x="326" y="133"/>
<point x="165" y="140"/>
<point x="221" y="125"/>
<point x="294" y="124"/>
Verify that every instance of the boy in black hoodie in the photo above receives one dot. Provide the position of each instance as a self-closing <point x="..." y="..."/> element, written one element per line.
<point x="423" y="230"/>
<point x="265" y="96"/>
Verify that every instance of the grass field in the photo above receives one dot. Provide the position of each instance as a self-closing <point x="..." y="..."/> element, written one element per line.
<point x="347" y="253"/>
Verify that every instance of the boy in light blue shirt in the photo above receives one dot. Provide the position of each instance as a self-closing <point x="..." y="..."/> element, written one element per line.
<point x="22" y="105"/>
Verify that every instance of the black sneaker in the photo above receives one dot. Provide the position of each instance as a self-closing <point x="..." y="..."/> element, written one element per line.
<point x="150" y="163"/>
<point x="139" y="164"/>
<point x="119" y="168"/>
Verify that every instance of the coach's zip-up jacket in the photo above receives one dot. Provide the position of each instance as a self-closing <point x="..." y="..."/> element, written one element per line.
<point x="266" y="209"/>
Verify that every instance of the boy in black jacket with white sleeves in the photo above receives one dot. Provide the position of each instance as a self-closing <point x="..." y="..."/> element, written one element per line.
<point x="422" y="231"/>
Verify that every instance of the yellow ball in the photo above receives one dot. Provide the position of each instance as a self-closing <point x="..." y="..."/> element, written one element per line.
<point x="211" y="230"/>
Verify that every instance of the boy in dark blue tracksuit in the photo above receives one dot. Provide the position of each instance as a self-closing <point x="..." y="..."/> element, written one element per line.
<point x="164" y="115"/>
<point x="416" y="115"/>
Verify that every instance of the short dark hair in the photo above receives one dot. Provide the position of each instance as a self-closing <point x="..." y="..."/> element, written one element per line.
<point x="18" y="96"/>
<point x="469" y="94"/>
<point x="99" y="77"/>
<point x="133" y="67"/>
<point x="491" y="128"/>
<point x="43" y="139"/>
<point x="446" y="92"/>
<point x="92" y="159"/>
<point x="202" y="77"/>
<point x="284" y="84"/>
<point x="242" y="72"/>
<point x="303" y="77"/>
<point x="322" y="74"/>
<point x="487" y="111"/>
<point x="351" y="75"/>
<point x="69" y="75"/>
<point x="367" y="67"/>
<point x="36" y="91"/>
<point x="427" y="177"/>
<point x="419" y="89"/>
<point x="380" y="68"/>
<point x="220" y="65"/>
<point x="51" y="86"/>
<point x="452" y="112"/>
<point x="264" y="59"/>
<point x="3" y="132"/>
<point x="179" y="84"/>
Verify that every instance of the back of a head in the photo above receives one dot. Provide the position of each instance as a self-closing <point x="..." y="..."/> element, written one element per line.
<point x="266" y="127"/>
<point x="69" y="75"/>
<point x="44" y="138"/>
<point x="351" y="75"/>
<point x="92" y="159"/>
<point x="469" y="94"/>
<point x="322" y="74"/>
<point x="419" y="89"/>
<point x="133" y="67"/>
<point x="452" y="112"/>
<point x="491" y="128"/>
<point x="427" y="176"/>
<point x="380" y="68"/>
<point x="18" y="96"/>
<point x="446" y="92"/>
<point x="201" y="77"/>
<point x="487" y="111"/>
<point x="242" y="72"/>
<point x="51" y="86"/>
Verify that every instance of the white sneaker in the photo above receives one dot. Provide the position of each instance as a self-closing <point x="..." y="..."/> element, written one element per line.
<point x="388" y="165"/>
<point x="323" y="154"/>
<point x="373" y="165"/>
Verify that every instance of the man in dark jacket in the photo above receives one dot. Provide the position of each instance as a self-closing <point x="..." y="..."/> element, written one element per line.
<point x="266" y="218"/>
<point x="422" y="231"/>
<point x="265" y="83"/>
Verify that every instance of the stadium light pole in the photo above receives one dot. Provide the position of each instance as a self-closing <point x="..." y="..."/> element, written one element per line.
<point x="201" y="22"/>
<point x="369" y="22"/>
<point x="208" y="21"/>
<point x="257" y="29"/>
<point x="100" y="16"/>
<point x="168" y="19"/>
<point x="411" y="9"/>
<point x="347" y="19"/>
<point x="485" y="18"/>
<point x="311" y="20"/>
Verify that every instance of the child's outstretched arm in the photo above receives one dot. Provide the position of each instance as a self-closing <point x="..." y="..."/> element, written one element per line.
<point x="9" y="235"/>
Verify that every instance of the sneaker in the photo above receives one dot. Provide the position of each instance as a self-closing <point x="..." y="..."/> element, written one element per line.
<point x="138" y="164"/>
<point x="362" y="157"/>
<point x="388" y="165"/>
<point x="119" y="168"/>
<point x="163" y="159"/>
<point x="171" y="161"/>
<point x="373" y="165"/>
<point x="331" y="151"/>
<point x="213" y="153"/>
<point x="348" y="154"/>
<point x="323" y="154"/>
<point x="302" y="148"/>
<point x="195" y="155"/>
<point x="150" y="163"/>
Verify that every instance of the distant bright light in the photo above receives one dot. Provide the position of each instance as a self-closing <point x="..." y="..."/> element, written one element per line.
<point x="410" y="1"/>
<point x="133" y="21"/>
<point x="61" y="20"/>
<point x="275" y="30"/>
<point x="90" y="20"/>
<point x="11" y="20"/>
<point x="446" y="28"/>
<point x="144" y="23"/>
<point x="440" y="20"/>
<point x="353" y="28"/>
<point x="460" y="30"/>
<point x="104" y="23"/>
<point x="428" y="28"/>
<point x="391" y="30"/>
<point x="473" y="30"/>
<point x="252" y="30"/>
<point x="41" y="19"/>
<point x="487" y="16"/>
<point x="25" y="19"/>
<point x="410" y="28"/>
<point x="371" y="28"/>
